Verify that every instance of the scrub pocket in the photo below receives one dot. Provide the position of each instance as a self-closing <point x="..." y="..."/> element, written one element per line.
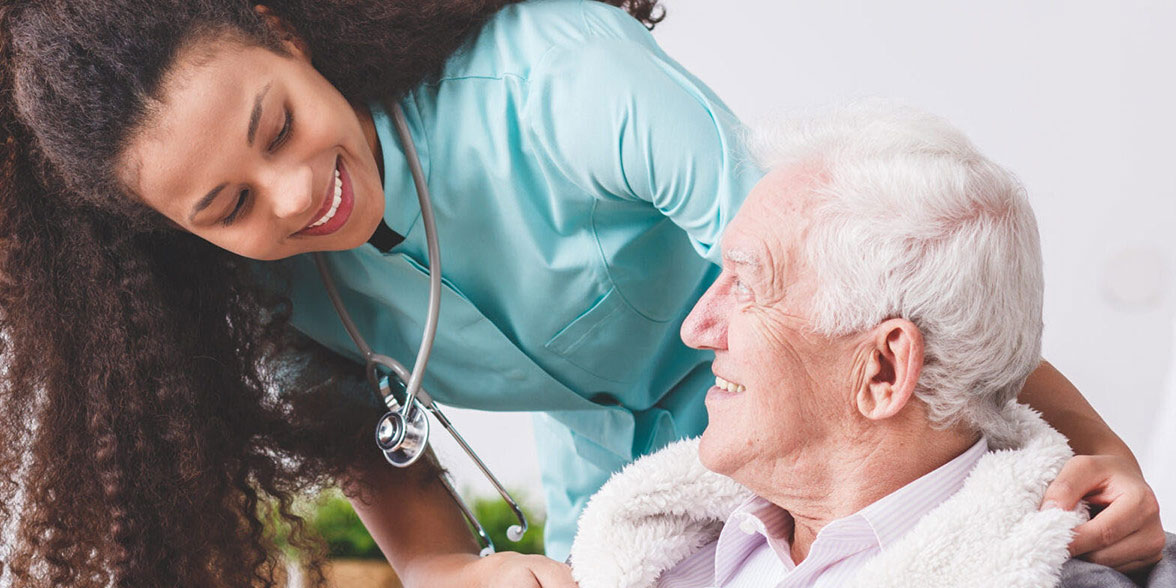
<point x="420" y="267"/>
<point x="610" y="340"/>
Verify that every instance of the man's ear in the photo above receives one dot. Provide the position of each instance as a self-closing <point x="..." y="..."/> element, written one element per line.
<point x="293" y="42"/>
<point x="893" y="364"/>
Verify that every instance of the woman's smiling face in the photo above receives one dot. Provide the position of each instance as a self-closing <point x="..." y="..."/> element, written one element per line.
<point x="257" y="153"/>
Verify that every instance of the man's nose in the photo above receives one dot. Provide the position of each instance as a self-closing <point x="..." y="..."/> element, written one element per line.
<point x="292" y="191"/>
<point x="706" y="327"/>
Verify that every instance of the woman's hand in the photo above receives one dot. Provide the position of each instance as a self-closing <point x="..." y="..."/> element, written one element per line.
<point x="500" y="570"/>
<point x="1126" y="534"/>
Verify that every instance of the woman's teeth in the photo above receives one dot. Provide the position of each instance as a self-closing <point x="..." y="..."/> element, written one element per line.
<point x="729" y="386"/>
<point x="335" y="200"/>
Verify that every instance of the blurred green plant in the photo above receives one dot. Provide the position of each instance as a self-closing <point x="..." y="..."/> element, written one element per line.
<point x="330" y="516"/>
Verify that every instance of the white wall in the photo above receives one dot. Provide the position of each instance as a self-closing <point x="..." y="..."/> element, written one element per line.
<point x="1076" y="97"/>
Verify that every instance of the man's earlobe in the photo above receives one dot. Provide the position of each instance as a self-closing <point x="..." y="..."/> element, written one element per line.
<point x="892" y="370"/>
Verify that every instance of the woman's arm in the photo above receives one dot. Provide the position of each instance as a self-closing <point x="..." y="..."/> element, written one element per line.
<point x="1126" y="534"/>
<point x="425" y="537"/>
<point x="1064" y="407"/>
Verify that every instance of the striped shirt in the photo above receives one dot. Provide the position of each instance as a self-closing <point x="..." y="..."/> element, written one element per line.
<point x="753" y="548"/>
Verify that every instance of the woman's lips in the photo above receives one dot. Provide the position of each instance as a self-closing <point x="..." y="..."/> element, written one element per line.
<point x="341" y="206"/>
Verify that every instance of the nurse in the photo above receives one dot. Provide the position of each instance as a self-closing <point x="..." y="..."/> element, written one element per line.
<point x="580" y="179"/>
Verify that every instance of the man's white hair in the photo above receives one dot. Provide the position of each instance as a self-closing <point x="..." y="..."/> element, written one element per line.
<point x="911" y="221"/>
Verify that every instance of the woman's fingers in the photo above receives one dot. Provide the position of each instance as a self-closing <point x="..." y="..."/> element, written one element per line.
<point x="1130" y="524"/>
<point x="553" y="574"/>
<point x="1127" y="534"/>
<point x="515" y="570"/>
<point x="1122" y="554"/>
<point x="1081" y="475"/>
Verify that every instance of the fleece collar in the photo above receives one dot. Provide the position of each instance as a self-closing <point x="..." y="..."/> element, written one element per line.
<point x="664" y="507"/>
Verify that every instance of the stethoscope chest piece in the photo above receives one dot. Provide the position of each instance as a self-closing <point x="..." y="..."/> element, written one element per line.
<point x="403" y="441"/>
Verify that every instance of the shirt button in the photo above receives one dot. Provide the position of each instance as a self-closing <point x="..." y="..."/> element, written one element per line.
<point x="748" y="526"/>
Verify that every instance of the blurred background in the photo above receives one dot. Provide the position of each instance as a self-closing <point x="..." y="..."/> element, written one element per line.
<point x="1077" y="98"/>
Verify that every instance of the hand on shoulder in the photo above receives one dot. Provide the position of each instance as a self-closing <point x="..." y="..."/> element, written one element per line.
<point x="506" y="569"/>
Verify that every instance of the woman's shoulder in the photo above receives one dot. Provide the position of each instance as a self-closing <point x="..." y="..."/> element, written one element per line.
<point x="517" y="38"/>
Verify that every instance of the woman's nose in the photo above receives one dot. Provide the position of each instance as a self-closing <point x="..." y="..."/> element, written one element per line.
<point x="292" y="192"/>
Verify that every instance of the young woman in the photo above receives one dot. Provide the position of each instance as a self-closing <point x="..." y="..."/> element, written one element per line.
<point x="580" y="179"/>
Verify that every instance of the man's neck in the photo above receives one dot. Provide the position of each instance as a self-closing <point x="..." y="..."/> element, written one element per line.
<point x="844" y="480"/>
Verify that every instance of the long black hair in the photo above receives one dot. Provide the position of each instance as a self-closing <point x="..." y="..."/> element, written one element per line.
<point x="152" y="397"/>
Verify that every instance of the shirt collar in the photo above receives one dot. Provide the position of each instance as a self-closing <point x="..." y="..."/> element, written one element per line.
<point x="401" y="206"/>
<point x="879" y="525"/>
<point x="745" y="530"/>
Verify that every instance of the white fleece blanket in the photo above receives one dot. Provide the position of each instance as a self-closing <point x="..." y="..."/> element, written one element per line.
<point x="665" y="506"/>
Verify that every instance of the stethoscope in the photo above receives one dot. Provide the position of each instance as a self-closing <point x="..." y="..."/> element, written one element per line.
<point x="403" y="432"/>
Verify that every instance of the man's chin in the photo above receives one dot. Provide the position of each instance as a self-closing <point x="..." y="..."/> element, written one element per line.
<point x="714" y="454"/>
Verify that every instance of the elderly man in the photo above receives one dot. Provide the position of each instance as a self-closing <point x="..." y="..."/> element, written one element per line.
<point x="878" y="311"/>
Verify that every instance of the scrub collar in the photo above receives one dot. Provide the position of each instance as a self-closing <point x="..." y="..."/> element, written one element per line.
<point x="402" y="211"/>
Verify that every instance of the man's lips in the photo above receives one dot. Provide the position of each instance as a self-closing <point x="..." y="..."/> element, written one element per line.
<point x="342" y="210"/>
<point x="724" y="388"/>
<point x="728" y="385"/>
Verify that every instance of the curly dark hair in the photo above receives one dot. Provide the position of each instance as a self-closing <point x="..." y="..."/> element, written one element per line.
<point x="153" y="396"/>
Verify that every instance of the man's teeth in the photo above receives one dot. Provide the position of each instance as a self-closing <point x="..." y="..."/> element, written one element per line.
<point x="729" y="386"/>
<point x="334" y="201"/>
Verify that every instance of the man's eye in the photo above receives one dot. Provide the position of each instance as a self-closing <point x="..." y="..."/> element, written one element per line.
<point x="242" y="198"/>
<point x="284" y="133"/>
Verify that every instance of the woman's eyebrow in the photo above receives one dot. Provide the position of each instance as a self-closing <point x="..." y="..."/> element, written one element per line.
<point x="255" y="116"/>
<point x="250" y="136"/>
<point x="205" y="202"/>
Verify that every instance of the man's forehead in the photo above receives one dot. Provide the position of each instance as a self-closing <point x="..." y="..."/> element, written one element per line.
<point x="771" y="220"/>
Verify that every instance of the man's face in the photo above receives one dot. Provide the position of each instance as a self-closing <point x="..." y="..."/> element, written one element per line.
<point x="780" y="390"/>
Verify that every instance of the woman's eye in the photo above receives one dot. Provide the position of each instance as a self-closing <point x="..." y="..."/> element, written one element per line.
<point x="242" y="198"/>
<point x="284" y="133"/>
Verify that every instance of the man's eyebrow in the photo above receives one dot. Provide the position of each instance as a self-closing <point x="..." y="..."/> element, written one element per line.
<point x="740" y="257"/>
<point x="205" y="202"/>
<point x="255" y="116"/>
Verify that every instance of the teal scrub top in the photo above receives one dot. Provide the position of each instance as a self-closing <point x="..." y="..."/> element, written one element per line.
<point x="580" y="180"/>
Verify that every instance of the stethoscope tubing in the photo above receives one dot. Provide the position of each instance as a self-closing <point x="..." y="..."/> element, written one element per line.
<point x="413" y="384"/>
<point x="415" y="395"/>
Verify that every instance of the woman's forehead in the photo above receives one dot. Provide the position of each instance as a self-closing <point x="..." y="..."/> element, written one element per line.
<point x="205" y="108"/>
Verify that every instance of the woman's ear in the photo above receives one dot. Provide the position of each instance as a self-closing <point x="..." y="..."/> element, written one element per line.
<point x="293" y="42"/>
<point x="894" y="361"/>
